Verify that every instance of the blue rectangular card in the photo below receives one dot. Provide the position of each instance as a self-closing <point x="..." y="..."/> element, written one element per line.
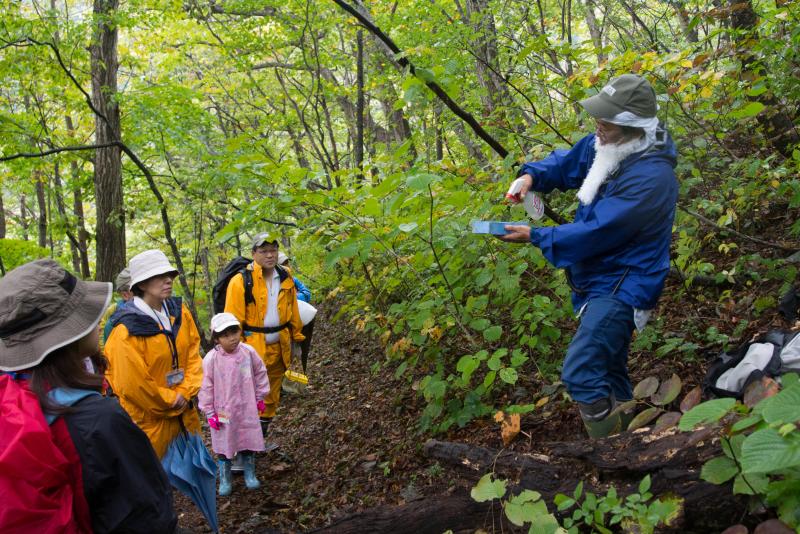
<point x="493" y="227"/>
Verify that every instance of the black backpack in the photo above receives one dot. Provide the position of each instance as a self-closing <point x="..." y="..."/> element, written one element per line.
<point x="728" y="360"/>
<point x="235" y="266"/>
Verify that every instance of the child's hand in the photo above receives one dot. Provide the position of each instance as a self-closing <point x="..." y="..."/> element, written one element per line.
<point x="213" y="422"/>
<point x="261" y="405"/>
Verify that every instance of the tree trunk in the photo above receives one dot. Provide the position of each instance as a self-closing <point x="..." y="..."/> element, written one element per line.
<point x="41" y="202"/>
<point x="594" y="30"/>
<point x="110" y="232"/>
<point x="683" y="20"/>
<point x="778" y="126"/>
<point x="62" y="213"/>
<point x="23" y="217"/>
<point x="77" y="209"/>
<point x="2" y="216"/>
<point x="359" y="140"/>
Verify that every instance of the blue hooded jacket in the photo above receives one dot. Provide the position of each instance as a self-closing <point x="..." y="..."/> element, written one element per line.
<point x="621" y="240"/>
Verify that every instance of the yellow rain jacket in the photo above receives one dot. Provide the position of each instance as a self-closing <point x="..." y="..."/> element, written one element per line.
<point x="140" y="355"/>
<point x="278" y="356"/>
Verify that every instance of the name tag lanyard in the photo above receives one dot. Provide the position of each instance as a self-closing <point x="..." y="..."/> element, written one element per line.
<point x="176" y="375"/>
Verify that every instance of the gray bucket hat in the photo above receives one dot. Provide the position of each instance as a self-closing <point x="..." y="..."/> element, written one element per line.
<point x="628" y="92"/>
<point x="43" y="307"/>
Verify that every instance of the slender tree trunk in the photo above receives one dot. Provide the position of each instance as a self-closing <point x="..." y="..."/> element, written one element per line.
<point x="77" y="209"/>
<point x="359" y="140"/>
<point x="41" y="202"/>
<point x="594" y="30"/>
<point x="62" y="212"/>
<point x="2" y="216"/>
<point x="683" y="20"/>
<point x="23" y="217"/>
<point x="107" y="161"/>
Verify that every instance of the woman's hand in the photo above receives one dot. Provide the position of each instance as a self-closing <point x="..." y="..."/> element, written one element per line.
<point x="180" y="402"/>
<point x="516" y="234"/>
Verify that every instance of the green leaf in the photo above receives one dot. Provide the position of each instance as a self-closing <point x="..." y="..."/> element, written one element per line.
<point x="668" y="391"/>
<point x="719" y="470"/>
<point x="644" y="485"/>
<point x="732" y="447"/>
<point x="407" y="227"/>
<point x="750" y="110"/>
<point x="420" y="181"/>
<point x="520" y="509"/>
<point x="784" y="407"/>
<point x="645" y="388"/>
<point x="425" y="75"/>
<point x="492" y="333"/>
<point x="486" y="489"/>
<point x="707" y="412"/>
<point x="766" y="451"/>
<point x="508" y="375"/>
<point x="752" y="484"/>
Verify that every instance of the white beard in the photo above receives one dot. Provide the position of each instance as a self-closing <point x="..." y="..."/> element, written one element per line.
<point x="606" y="161"/>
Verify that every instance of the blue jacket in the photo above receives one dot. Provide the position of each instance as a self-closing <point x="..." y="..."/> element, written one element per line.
<point x="303" y="293"/>
<point x="628" y="226"/>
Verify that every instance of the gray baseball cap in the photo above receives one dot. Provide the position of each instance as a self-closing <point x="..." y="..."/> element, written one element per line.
<point x="265" y="238"/>
<point x="628" y="92"/>
<point x="43" y="307"/>
<point x="123" y="281"/>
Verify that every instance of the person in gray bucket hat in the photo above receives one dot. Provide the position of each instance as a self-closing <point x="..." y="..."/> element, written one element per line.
<point x="615" y="253"/>
<point x="71" y="460"/>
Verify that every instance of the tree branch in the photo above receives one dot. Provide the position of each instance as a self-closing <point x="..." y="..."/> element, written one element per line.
<point x="57" y="150"/>
<point x="437" y="90"/>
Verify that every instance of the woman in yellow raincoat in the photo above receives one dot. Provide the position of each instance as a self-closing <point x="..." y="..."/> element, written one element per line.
<point x="154" y="354"/>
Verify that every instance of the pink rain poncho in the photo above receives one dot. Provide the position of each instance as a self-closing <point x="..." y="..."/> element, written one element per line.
<point x="232" y="385"/>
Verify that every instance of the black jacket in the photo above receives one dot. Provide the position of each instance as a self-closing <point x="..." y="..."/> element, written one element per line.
<point x="125" y="486"/>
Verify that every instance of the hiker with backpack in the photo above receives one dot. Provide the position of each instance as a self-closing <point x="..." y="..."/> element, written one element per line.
<point x="232" y="394"/>
<point x="616" y="252"/>
<point x="154" y="354"/>
<point x="263" y="297"/>
<point x="71" y="460"/>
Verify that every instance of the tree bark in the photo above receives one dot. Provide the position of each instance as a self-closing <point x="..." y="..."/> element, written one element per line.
<point x="23" y="217"/>
<point x="778" y="126"/>
<point x="2" y="216"/>
<point x="594" y="30"/>
<point x="41" y="202"/>
<point x="110" y="233"/>
<point x="359" y="140"/>
<point x="74" y="247"/>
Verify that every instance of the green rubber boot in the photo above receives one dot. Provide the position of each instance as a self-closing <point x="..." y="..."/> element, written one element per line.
<point x="600" y="418"/>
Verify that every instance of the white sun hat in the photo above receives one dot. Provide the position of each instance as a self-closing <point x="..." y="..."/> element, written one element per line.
<point x="148" y="264"/>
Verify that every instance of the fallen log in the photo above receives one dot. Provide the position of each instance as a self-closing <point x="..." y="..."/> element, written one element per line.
<point x="672" y="459"/>
<point x="458" y="513"/>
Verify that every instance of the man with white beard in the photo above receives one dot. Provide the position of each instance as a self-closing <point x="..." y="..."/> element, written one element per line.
<point x="616" y="252"/>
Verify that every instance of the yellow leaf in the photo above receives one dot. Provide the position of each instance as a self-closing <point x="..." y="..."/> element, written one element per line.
<point x="541" y="402"/>
<point x="509" y="428"/>
<point x="775" y="183"/>
<point x="686" y="63"/>
<point x="705" y="92"/>
<point x="499" y="416"/>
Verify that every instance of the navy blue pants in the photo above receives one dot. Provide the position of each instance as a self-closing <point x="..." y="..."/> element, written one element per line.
<point x="596" y="364"/>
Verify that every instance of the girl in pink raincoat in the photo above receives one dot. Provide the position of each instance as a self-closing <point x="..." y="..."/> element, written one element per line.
<point x="232" y="394"/>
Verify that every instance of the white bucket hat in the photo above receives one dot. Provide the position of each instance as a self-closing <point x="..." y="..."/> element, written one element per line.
<point x="221" y="321"/>
<point x="282" y="258"/>
<point x="148" y="264"/>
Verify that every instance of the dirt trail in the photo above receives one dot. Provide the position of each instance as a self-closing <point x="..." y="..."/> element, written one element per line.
<point x="348" y="442"/>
